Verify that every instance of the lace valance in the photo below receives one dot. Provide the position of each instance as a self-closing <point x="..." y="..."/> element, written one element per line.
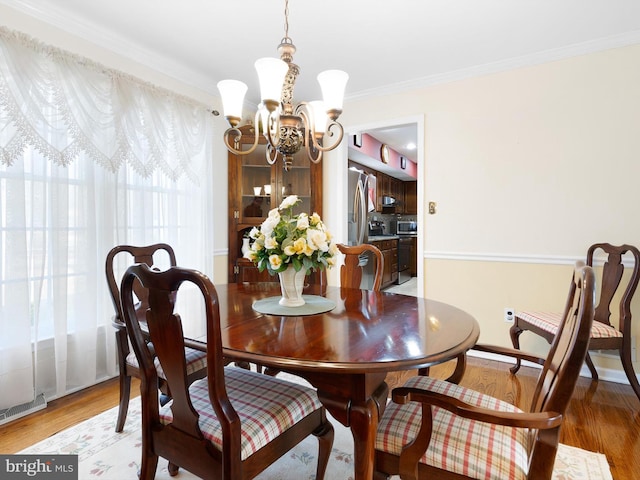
<point x="65" y="105"/>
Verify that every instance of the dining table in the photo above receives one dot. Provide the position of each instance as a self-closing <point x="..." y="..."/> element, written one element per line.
<point x="343" y="341"/>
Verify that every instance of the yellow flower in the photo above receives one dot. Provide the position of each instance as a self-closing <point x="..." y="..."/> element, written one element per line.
<point x="300" y="246"/>
<point x="270" y="243"/>
<point x="289" y="250"/>
<point x="275" y="261"/>
<point x="315" y="219"/>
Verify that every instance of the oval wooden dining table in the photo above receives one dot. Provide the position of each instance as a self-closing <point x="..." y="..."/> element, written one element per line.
<point x="346" y="352"/>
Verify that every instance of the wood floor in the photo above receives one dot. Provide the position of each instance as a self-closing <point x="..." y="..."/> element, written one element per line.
<point x="605" y="419"/>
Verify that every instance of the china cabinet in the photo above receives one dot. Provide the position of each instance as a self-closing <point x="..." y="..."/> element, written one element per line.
<point x="255" y="187"/>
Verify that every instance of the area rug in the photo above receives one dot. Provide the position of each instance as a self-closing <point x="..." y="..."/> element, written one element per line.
<point x="106" y="455"/>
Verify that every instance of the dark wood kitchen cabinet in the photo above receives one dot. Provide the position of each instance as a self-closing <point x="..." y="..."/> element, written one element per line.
<point x="411" y="198"/>
<point x="389" y="249"/>
<point x="413" y="257"/>
<point x="388" y="186"/>
<point x="255" y="187"/>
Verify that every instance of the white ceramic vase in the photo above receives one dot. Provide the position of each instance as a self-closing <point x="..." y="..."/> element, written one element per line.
<point x="245" y="246"/>
<point x="291" y="284"/>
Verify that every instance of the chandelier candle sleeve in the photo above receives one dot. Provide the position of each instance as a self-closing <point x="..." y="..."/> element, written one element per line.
<point x="232" y="92"/>
<point x="271" y="73"/>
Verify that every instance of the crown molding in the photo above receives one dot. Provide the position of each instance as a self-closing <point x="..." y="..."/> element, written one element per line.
<point x="189" y="76"/>
<point x="546" y="56"/>
<point x="116" y="44"/>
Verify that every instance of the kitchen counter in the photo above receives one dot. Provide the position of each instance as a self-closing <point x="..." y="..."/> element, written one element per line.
<point x="379" y="238"/>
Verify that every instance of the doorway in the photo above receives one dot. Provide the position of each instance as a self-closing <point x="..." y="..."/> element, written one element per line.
<point x="396" y="133"/>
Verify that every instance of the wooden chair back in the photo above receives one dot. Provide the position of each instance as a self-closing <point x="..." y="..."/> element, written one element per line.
<point x="612" y="272"/>
<point x="551" y="397"/>
<point x="117" y="260"/>
<point x="351" y="271"/>
<point x="181" y="440"/>
<point x="164" y="329"/>
<point x="149" y="255"/>
<point x="562" y="367"/>
<point x="615" y="286"/>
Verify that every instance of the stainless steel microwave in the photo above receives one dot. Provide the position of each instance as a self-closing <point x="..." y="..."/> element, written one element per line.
<point x="406" y="227"/>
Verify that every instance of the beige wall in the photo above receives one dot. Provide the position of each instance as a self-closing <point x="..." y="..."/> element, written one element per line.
<point x="529" y="167"/>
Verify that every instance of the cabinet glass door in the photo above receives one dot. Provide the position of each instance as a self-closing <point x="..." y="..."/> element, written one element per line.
<point x="255" y="187"/>
<point x="297" y="181"/>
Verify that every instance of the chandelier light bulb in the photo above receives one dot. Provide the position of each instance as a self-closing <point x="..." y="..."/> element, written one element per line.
<point x="333" y="84"/>
<point x="271" y="73"/>
<point x="232" y="93"/>
<point x="319" y="117"/>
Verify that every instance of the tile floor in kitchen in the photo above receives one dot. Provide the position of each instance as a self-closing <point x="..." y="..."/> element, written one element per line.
<point x="407" y="288"/>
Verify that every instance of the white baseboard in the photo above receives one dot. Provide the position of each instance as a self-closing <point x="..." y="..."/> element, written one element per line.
<point x="606" y="374"/>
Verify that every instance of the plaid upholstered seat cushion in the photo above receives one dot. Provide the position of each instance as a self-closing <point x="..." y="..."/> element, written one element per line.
<point x="550" y="321"/>
<point x="267" y="406"/>
<point x="476" y="449"/>
<point x="196" y="360"/>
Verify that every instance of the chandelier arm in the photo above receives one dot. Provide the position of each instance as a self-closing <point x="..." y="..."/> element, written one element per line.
<point x="237" y="135"/>
<point x="314" y="154"/>
<point x="311" y="145"/>
<point x="302" y="109"/>
<point x="329" y="133"/>
<point x="272" y="129"/>
<point x="271" y="154"/>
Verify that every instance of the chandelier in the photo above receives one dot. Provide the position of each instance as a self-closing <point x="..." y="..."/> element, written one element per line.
<point x="287" y="128"/>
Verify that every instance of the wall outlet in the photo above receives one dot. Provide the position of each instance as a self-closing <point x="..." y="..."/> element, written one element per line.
<point x="509" y="315"/>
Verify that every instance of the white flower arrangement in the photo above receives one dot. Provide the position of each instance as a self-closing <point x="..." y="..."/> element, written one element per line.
<point x="285" y="239"/>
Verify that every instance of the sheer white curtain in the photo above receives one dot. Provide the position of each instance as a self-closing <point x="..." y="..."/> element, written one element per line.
<point x="89" y="158"/>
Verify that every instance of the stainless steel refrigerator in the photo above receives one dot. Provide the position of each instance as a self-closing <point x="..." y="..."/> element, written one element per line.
<point x="358" y="206"/>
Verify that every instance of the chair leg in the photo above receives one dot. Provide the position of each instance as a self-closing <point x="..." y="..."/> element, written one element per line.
<point x="515" y="331"/>
<point x="149" y="466"/>
<point x="125" y="390"/>
<point x="173" y="469"/>
<point x="380" y="476"/>
<point x="458" y="373"/>
<point x="325" y="444"/>
<point x="591" y="367"/>
<point x="627" y="364"/>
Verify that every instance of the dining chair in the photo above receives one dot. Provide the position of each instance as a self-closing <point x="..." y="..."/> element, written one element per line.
<point x="437" y="429"/>
<point x="232" y="424"/>
<point x="351" y="269"/>
<point x="614" y="286"/>
<point x="118" y="259"/>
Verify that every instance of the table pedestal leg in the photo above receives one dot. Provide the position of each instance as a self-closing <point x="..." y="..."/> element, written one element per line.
<point x="362" y="417"/>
